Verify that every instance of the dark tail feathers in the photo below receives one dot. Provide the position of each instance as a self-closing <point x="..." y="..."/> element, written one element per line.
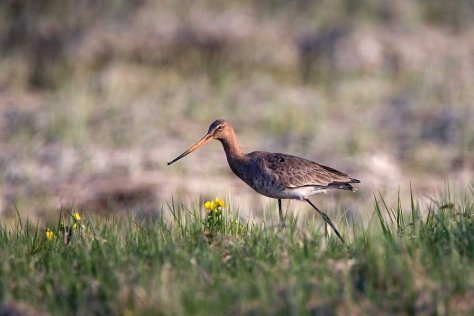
<point x="344" y="185"/>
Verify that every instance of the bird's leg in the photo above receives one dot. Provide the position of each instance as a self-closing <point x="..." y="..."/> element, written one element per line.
<point x="328" y="220"/>
<point x="280" y="211"/>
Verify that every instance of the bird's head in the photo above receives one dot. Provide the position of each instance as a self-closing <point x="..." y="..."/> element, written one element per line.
<point x="219" y="129"/>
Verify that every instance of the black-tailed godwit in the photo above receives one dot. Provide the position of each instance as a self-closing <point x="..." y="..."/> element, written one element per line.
<point x="276" y="175"/>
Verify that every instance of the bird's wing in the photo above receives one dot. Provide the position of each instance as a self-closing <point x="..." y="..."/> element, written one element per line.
<point x="295" y="172"/>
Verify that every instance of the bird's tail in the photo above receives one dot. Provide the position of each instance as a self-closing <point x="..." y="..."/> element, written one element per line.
<point x="345" y="185"/>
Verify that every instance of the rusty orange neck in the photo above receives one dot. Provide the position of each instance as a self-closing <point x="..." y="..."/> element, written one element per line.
<point x="231" y="146"/>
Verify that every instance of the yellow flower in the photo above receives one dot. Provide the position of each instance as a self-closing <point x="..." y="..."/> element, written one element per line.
<point x="76" y="216"/>
<point x="50" y="234"/>
<point x="214" y="204"/>
<point x="219" y="202"/>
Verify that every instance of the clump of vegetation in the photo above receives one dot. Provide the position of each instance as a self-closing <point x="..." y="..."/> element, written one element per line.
<point x="418" y="260"/>
<point x="214" y="215"/>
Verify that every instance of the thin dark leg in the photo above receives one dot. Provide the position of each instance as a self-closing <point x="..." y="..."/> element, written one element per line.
<point x="328" y="220"/>
<point x="280" y="211"/>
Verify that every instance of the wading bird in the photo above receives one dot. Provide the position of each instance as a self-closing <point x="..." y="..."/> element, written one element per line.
<point x="276" y="175"/>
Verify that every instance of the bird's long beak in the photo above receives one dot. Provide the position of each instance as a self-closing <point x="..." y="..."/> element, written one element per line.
<point x="200" y="143"/>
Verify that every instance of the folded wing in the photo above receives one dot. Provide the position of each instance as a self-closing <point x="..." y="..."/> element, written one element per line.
<point x="295" y="172"/>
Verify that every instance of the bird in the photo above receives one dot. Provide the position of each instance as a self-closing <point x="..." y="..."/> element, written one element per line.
<point x="276" y="175"/>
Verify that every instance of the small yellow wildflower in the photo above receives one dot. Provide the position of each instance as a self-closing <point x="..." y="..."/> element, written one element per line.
<point x="219" y="202"/>
<point x="209" y="205"/>
<point x="76" y="216"/>
<point x="214" y="204"/>
<point x="50" y="234"/>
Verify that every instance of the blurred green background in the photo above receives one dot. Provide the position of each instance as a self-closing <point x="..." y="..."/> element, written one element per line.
<point x="95" y="97"/>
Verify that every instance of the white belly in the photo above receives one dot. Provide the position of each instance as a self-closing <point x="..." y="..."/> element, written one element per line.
<point x="301" y="193"/>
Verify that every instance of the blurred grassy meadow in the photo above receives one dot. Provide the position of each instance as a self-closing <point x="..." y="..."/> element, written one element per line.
<point x="96" y="96"/>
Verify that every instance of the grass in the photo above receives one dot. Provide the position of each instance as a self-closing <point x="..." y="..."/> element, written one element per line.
<point x="109" y="91"/>
<point x="418" y="260"/>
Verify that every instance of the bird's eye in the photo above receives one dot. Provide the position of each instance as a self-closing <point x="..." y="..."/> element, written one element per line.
<point x="219" y="127"/>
